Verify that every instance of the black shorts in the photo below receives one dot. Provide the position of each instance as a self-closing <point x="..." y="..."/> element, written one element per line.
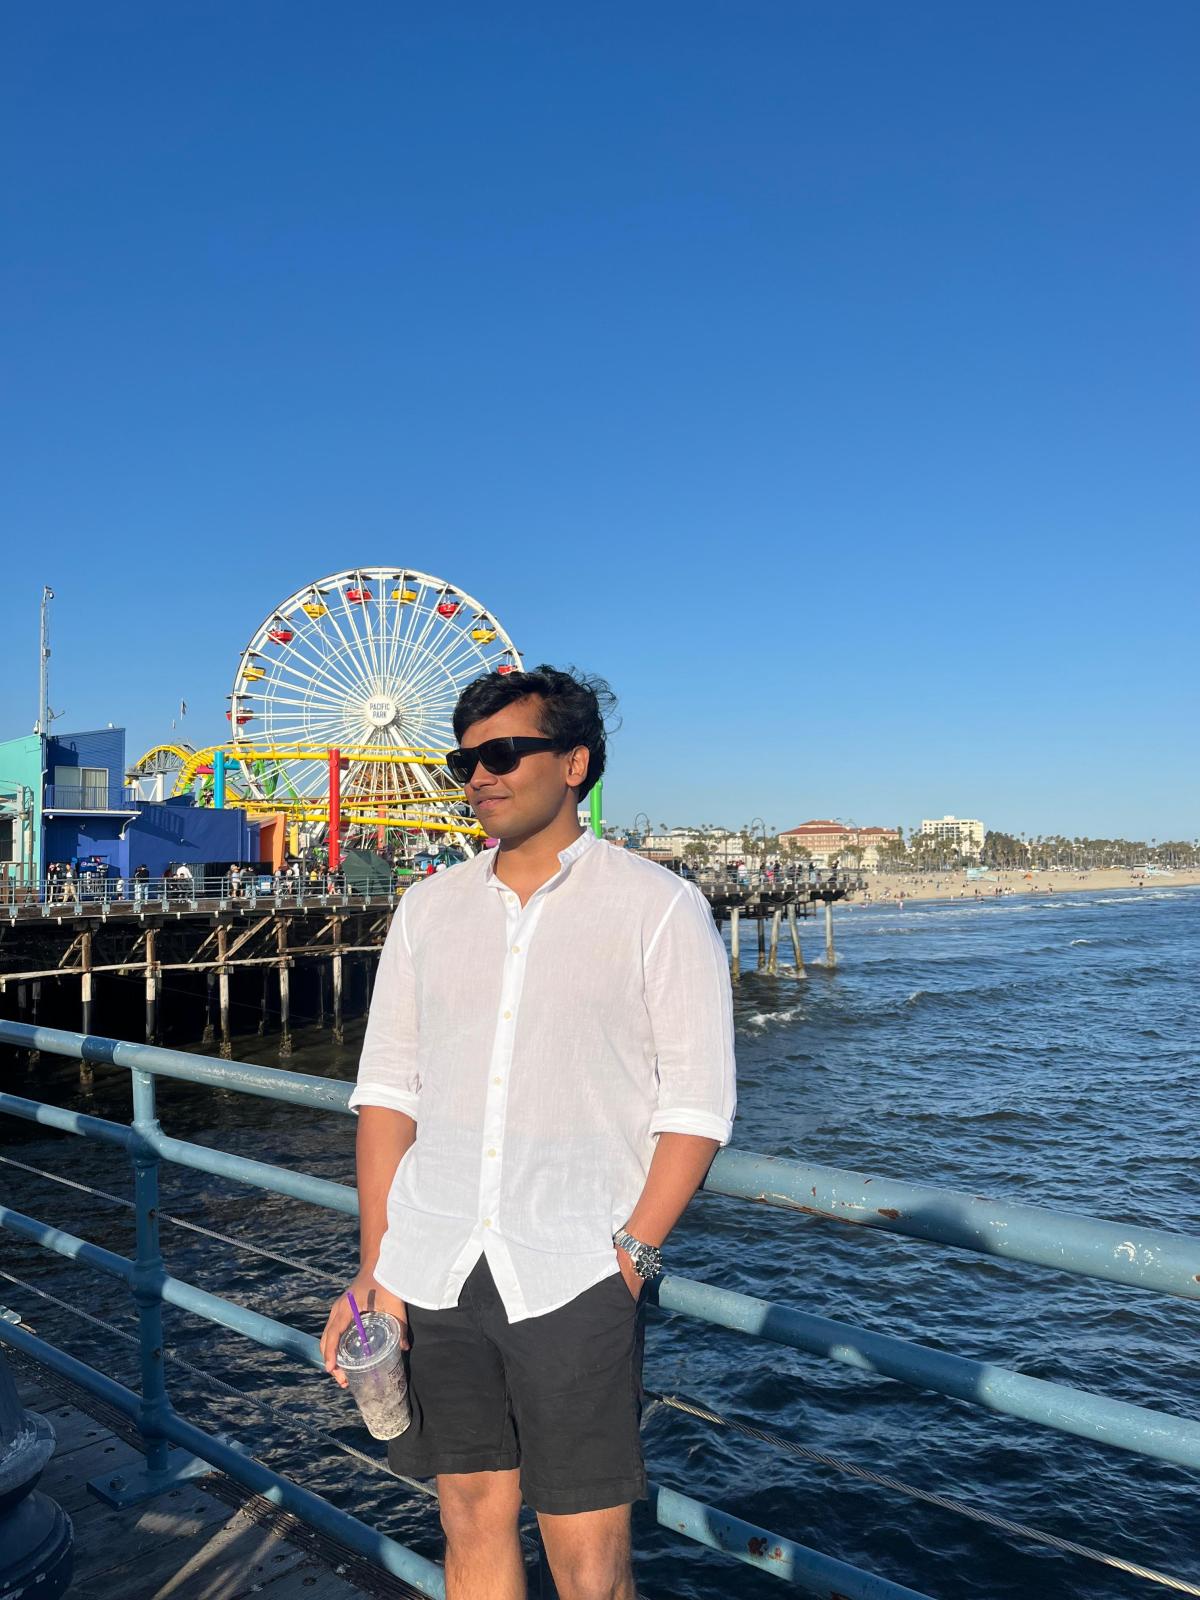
<point x="559" y="1396"/>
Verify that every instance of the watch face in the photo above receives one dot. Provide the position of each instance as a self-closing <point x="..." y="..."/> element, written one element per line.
<point x="647" y="1261"/>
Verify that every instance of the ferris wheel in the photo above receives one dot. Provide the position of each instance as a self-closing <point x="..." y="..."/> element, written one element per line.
<point x="370" y="663"/>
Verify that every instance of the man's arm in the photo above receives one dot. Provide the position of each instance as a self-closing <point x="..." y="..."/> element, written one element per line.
<point x="690" y="1006"/>
<point x="386" y="1097"/>
<point x="676" y="1172"/>
<point x="382" y="1140"/>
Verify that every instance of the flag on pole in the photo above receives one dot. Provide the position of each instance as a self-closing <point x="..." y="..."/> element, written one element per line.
<point x="183" y="708"/>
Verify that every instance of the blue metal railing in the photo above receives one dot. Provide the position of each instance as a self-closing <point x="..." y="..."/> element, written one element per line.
<point x="114" y="895"/>
<point x="1139" y="1257"/>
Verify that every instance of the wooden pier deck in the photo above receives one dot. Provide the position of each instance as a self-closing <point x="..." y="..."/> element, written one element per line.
<point x="206" y="1540"/>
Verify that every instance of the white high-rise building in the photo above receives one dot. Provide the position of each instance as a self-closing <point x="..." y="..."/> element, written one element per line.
<point x="964" y="833"/>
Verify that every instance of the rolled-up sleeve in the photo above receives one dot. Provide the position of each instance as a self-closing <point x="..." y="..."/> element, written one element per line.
<point x="690" y="1002"/>
<point x="387" y="1069"/>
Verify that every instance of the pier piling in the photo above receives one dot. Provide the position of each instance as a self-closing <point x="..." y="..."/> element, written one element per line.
<point x="152" y="983"/>
<point x="830" y="952"/>
<point x="226" y="1046"/>
<point x="85" y="982"/>
<point x="210" y="987"/>
<point x="773" y="956"/>
<point x="339" y="1036"/>
<point x="794" y="930"/>
<point x="285" y="987"/>
<point x="735" y="950"/>
<point x="35" y="1006"/>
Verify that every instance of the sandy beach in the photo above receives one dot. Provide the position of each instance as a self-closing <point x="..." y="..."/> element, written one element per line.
<point x="891" y="887"/>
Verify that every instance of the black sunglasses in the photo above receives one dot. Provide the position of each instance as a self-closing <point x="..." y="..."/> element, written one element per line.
<point x="497" y="755"/>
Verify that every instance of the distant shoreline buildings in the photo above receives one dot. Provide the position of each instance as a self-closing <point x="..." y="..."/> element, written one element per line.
<point x="823" y="842"/>
<point x="965" y="836"/>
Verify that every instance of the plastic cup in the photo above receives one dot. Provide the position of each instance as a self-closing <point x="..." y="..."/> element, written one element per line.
<point x="376" y="1375"/>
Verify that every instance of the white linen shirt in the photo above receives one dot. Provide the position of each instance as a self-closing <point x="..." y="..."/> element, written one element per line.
<point x="540" y="1050"/>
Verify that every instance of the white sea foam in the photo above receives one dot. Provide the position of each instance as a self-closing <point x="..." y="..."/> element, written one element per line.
<point x="763" y="1019"/>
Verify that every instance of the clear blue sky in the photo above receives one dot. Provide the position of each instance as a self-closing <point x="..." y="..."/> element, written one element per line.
<point x="824" y="374"/>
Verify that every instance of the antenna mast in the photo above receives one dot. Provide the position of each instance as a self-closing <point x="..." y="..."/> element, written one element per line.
<point x="45" y="715"/>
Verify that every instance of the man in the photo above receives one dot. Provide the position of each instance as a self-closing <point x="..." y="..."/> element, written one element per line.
<point x="546" y="1076"/>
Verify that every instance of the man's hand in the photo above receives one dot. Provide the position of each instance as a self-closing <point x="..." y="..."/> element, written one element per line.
<point x="368" y="1296"/>
<point x="634" y="1282"/>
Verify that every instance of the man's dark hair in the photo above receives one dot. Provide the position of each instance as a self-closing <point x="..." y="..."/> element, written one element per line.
<point x="572" y="710"/>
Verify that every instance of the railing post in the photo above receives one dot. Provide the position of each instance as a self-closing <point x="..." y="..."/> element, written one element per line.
<point x="148" y="1271"/>
<point x="164" y="1466"/>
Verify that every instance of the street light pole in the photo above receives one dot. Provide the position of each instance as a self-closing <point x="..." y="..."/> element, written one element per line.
<point x="763" y="829"/>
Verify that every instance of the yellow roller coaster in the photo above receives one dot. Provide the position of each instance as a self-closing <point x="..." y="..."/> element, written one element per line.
<point x="190" y="771"/>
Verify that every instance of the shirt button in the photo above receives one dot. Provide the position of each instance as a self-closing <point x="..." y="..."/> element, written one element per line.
<point x="487" y="1222"/>
<point x="516" y="950"/>
<point x="491" y="1153"/>
<point x="497" y="1081"/>
<point x="508" y="1016"/>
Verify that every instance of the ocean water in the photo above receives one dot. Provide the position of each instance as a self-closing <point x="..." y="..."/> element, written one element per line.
<point x="1037" y="1050"/>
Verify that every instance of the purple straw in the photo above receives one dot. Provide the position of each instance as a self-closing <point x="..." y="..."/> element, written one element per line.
<point x="362" y="1332"/>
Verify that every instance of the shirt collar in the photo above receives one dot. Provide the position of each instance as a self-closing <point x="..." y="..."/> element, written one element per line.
<point x="566" y="857"/>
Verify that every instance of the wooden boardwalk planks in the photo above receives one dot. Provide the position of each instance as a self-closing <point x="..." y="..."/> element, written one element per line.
<point x="190" y="1543"/>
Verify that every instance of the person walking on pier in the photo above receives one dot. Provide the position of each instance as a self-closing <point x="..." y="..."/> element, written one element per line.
<point x="546" y="1076"/>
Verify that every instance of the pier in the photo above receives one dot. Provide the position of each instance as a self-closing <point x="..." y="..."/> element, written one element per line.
<point x="189" y="947"/>
<point x="194" y="960"/>
<point x="768" y="906"/>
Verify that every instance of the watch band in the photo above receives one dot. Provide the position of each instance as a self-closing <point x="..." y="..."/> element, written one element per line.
<point x="647" y="1258"/>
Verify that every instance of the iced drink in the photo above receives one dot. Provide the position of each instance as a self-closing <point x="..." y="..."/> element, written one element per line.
<point x="376" y="1375"/>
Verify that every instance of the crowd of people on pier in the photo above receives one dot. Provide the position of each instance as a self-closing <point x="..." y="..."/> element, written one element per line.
<point x="74" y="882"/>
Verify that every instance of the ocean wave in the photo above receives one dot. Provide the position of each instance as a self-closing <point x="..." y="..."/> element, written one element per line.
<point x="965" y="999"/>
<point x="1140" y="897"/>
<point x="763" y="1019"/>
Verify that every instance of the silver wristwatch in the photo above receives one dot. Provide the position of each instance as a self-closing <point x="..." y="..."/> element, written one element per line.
<point x="647" y="1258"/>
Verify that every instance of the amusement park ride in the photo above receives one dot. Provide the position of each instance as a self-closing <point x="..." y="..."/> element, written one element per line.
<point x="340" y="712"/>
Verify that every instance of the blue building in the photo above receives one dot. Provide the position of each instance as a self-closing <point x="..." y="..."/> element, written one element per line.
<point x="85" y="811"/>
<point x="65" y="800"/>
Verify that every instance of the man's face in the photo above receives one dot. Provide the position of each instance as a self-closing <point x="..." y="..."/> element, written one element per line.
<point x="528" y="798"/>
